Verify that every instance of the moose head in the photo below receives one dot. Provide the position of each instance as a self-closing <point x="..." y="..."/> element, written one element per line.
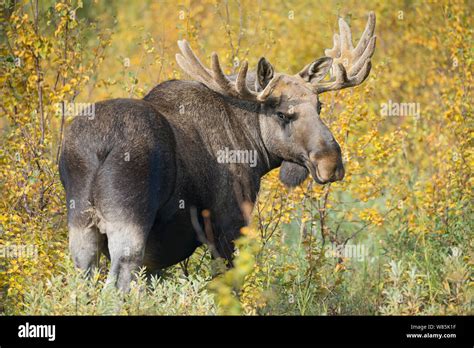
<point x="290" y="121"/>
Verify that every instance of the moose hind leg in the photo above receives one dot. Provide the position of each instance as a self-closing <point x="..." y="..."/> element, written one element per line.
<point x="126" y="244"/>
<point x="85" y="245"/>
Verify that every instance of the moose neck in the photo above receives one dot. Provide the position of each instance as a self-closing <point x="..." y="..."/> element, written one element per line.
<point x="245" y="118"/>
<point x="215" y="124"/>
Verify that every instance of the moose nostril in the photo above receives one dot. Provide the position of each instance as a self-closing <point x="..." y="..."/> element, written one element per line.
<point x="340" y="172"/>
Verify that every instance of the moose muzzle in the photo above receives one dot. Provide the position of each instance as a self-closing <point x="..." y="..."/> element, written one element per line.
<point x="324" y="169"/>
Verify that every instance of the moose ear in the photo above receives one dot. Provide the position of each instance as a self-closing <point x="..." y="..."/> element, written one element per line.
<point x="316" y="70"/>
<point x="265" y="73"/>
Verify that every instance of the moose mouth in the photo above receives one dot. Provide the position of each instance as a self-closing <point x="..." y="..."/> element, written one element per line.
<point x="313" y="169"/>
<point x="293" y="174"/>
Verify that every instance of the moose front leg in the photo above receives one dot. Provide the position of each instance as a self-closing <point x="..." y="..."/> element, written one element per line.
<point x="227" y="232"/>
<point x="225" y="244"/>
<point x="236" y="215"/>
<point x="218" y="234"/>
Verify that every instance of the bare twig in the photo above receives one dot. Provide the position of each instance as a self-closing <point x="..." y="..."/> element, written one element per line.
<point x="200" y="233"/>
<point x="39" y="81"/>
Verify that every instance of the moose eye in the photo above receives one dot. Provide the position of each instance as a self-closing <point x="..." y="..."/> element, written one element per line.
<point x="283" y="117"/>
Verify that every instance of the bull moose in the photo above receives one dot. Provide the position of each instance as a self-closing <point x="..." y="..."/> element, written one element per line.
<point x="139" y="174"/>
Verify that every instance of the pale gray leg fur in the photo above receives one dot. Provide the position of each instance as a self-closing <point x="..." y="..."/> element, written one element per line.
<point x="85" y="245"/>
<point x="126" y="242"/>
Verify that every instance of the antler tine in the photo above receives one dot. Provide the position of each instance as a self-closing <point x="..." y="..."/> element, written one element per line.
<point x="366" y="55"/>
<point x="343" y="81"/>
<point x="215" y="78"/>
<point x="351" y="66"/>
<point x="224" y="83"/>
<point x="367" y="35"/>
<point x="190" y="63"/>
<point x="345" y="36"/>
<point x="190" y="60"/>
<point x="241" y="84"/>
<point x="336" y="50"/>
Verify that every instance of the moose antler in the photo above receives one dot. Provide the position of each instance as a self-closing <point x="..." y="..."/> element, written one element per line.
<point x="350" y="66"/>
<point x="215" y="78"/>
